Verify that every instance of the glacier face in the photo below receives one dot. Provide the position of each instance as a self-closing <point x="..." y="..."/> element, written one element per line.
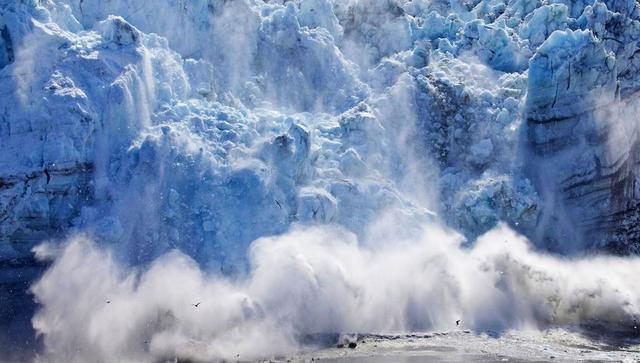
<point x="203" y="125"/>
<point x="315" y="111"/>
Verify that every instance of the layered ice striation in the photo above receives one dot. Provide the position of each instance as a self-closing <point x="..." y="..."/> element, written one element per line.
<point x="579" y="112"/>
<point x="203" y="125"/>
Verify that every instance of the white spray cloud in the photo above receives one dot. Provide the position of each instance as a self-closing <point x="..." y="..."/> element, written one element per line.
<point x="315" y="281"/>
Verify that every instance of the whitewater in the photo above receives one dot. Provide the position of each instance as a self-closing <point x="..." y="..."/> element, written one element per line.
<point x="224" y="180"/>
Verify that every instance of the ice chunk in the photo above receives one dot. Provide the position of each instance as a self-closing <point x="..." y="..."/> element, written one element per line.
<point x="481" y="152"/>
<point x="115" y="29"/>
<point x="544" y="21"/>
<point x="571" y="72"/>
<point x="319" y="13"/>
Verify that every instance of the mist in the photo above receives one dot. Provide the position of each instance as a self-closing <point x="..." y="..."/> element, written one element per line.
<point x="315" y="281"/>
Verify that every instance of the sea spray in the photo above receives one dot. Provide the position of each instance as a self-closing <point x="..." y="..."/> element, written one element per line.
<point x="319" y="281"/>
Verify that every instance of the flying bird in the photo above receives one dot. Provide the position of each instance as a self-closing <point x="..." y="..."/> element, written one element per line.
<point x="197" y="304"/>
<point x="46" y="172"/>
<point x="458" y="322"/>
<point x="108" y="301"/>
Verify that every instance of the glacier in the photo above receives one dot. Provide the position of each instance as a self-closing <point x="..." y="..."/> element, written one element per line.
<point x="145" y="127"/>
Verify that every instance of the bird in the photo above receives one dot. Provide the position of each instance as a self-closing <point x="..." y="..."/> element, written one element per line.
<point x="46" y="172"/>
<point x="108" y="301"/>
<point x="278" y="204"/>
<point x="197" y="304"/>
<point x="458" y="322"/>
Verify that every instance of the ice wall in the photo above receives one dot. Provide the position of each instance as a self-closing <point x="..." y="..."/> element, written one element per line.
<point x="164" y="125"/>
<point x="579" y="116"/>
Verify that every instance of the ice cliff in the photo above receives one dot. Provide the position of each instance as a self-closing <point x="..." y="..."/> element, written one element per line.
<point x="202" y="125"/>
